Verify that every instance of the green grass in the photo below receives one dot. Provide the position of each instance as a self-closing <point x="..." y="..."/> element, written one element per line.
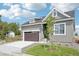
<point x="56" y="50"/>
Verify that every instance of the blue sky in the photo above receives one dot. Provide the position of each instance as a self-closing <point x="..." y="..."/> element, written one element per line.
<point x="21" y="12"/>
<point x="77" y="16"/>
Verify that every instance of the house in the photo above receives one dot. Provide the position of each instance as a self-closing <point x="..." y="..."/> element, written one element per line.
<point x="10" y="34"/>
<point x="63" y="28"/>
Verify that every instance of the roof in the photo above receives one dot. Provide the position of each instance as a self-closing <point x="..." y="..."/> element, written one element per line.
<point x="36" y="21"/>
<point x="34" y="24"/>
<point x="66" y="16"/>
<point x="67" y="19"/>
<point x="26" y="23"/>
<point x="61" y="13"/>
<point x="71" y="13"/>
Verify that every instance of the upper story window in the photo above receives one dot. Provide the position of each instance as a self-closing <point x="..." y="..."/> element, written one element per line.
<point x="60" y="29"/>
<point x="54" y="13"/>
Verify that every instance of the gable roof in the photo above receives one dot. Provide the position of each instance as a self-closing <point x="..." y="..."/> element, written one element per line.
<point x="65" y="14"/>
<point x="71" y="13"/>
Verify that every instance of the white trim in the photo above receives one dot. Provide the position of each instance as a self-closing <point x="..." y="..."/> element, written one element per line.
<point x="64" y="28"/>
<point x="62" y="12"/>
<point x="53" y="11"/>
<point x="47" y="15"/>
<point x="55" y="21"/>
<point x="66" y="19"/>
<point x="34" y="24"/>
<point x="23" y="36"/>
<point x="29" y="31"/>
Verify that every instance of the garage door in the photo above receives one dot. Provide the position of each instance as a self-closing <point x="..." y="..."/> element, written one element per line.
<point x="31" y="36"/>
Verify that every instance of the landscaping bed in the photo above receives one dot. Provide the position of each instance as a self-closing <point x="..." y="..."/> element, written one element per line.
<point x="56" y="50"/>
<point x="10" y="39"/>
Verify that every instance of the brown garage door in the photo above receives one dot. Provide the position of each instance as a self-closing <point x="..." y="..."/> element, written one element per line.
<point x="31" y="36"/>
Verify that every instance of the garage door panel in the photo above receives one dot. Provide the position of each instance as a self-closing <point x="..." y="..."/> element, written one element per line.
<point x="31" y="36"/>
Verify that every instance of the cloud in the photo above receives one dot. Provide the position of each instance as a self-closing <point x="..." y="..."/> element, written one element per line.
<point x="15" y="11"/>
<point x="77" y="26"/>
<point x="23" y="9"/>
<point x="66" y="6"/>
<point x="12" y="12"/>
<point x="3" y="12"/>
<point x="6" y="13"/>
<point x="35" y="6"/>
<point x="28" y="13"/>
<point x="7" y="4"/>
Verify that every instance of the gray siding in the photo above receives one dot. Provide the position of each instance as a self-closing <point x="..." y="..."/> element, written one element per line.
<point x="57" y="38"/>
<point x="69" y="33"/>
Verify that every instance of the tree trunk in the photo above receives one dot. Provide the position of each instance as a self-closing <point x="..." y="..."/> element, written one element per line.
<point x="50" y="44"/>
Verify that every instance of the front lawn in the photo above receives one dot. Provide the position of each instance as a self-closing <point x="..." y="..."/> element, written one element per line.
<point x="55" y="50"/>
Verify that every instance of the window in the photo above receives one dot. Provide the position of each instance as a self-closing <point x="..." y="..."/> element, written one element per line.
<point x="54" y="14"/>
<point x="60" y="29"/>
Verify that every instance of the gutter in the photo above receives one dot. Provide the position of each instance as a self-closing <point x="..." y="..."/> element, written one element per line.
<point x="59" y="20"/>
<point x="34" y="24"/>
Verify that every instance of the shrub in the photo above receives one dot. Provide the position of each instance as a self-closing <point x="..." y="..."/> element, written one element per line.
<point x="76" y="39"/>
<point x="10" y="39"/>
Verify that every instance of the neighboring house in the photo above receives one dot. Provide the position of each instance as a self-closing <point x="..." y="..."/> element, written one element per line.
<point x="10" y="34"/>
<point x="64" y="27"/>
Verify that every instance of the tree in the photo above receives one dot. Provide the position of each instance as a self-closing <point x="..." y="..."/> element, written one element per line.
<point x="2" y="35"/>
<point x="76" y="34"/>
<point x="6" y="27"/>
<point x="0" y="18"/>
<point x="3" y="30"/>
<point x="48" y="28"/>
<point x="14" y="27"/>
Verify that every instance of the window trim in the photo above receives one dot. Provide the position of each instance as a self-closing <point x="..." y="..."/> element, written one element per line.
<point x="64" y="28"/>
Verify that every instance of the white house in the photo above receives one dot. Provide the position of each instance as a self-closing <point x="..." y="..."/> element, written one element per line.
<point x="10" y="34"/>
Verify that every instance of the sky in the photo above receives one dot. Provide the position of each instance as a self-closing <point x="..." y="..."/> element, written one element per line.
<point x="23" y="12"/>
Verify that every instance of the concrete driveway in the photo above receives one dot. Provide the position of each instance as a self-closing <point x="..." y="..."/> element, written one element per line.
<point x="14" y="48"/>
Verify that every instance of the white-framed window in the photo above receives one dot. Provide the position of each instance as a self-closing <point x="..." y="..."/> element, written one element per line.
<point x="60" y="29"/>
